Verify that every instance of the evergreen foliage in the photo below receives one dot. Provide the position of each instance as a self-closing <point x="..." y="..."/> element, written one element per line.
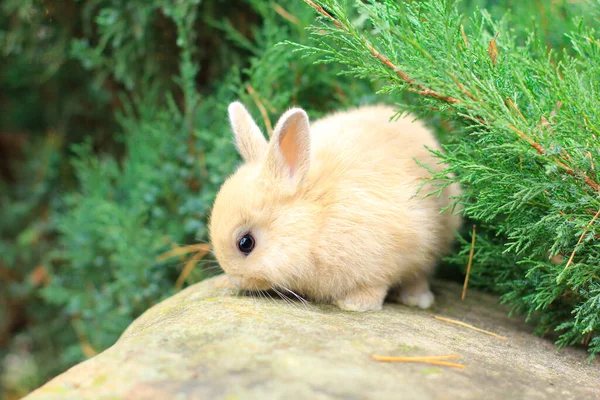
<point x="523" y="136"/>
<point x="114" y="139"/>
<point x="126" y="214"/>
<point x="96" y="260"/>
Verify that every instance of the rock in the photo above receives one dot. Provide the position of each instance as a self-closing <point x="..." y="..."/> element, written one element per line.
<point x="206" y="343"/>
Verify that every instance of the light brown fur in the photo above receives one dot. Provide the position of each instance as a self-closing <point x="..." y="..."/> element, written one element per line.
<point x="333" y="208"/>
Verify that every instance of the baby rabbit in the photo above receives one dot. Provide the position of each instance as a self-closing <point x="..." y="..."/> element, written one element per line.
<point x="329" y="209"/>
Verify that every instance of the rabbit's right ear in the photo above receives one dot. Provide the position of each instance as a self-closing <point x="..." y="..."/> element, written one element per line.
<point x="249" y="140"/>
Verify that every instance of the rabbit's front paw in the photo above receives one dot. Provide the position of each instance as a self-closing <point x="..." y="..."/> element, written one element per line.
<point x="363" y="299"/>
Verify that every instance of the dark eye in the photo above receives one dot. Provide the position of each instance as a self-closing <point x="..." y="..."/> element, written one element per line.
<point x="246" y="243"/>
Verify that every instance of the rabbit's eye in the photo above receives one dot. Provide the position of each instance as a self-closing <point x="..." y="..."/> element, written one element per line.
<point x="246" y="243"/>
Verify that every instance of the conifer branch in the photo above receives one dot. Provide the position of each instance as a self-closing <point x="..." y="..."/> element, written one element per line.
<point x="424" y="91"/>
<point x="415" y="87"/>
<point x="534" y="207"/>
<point x="590" y="182"/>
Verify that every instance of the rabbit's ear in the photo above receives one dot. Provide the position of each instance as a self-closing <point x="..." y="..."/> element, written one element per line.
<point x="289" y="148"/>
<point x="249" y="140"/>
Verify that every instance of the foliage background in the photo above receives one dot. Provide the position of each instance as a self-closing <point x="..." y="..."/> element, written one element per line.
<point x="114" y="139"/>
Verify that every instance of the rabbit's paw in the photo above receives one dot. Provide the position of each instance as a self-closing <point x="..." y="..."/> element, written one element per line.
<point x="363" y="299"/>
<point x="416" y="293"/>
<point x="421" y="299"/>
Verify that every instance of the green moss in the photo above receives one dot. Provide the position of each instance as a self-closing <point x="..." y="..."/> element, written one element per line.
<point x="430" y="371"/>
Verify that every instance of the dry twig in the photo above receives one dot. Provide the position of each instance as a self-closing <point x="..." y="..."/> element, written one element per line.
<point x="262" y="109"/>
<point x="199" y="251"/>
<point x="455" y="322"/>
<point x="434" y="360"/>
<point x="581" y="238"/>
<point x="187" y="269"/>
<point x="179" y="251"/>
<point x="464" y="292"/>
<point x="285" y="14"/>
<point x="464" y="36"/>
<point x="86" y="347"/>
<point x="514" y="107"/>
<point x="493" y="49"/>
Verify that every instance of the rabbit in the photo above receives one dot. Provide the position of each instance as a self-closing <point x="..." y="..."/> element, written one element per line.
<point x="330" y="210"/>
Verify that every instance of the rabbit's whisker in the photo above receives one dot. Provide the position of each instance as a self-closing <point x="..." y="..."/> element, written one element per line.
<point x="284" y="298"/>
<point x="304" y="302"/>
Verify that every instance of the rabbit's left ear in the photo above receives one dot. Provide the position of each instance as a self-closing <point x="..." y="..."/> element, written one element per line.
<point x="249" y="140"/>
<point x="288" y="156"/>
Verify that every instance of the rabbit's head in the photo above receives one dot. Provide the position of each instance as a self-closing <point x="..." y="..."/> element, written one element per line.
<point x="262" y="225"/>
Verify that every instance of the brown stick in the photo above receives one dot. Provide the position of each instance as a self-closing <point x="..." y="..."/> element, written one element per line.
<point x="189" y="266"/>
<point x="179" y="251"/>
<point x="455" y="322"/>
<point x="529" y="140"/>
<point x="262" y="109"/>
<point x="464" y="292"/>
<point x="322" y="11"/>
<point x="514" y="106"/>
<point x="580" y="239"/>
<point x="464" y="36"/>
<point x="388" y="358"/>
<point x="425" y="360"/>
<point x="285" y="14"/>
<point x="86" y="347"/>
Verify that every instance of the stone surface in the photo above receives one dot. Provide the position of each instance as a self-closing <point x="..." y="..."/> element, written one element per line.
<point x="206" y="343"/>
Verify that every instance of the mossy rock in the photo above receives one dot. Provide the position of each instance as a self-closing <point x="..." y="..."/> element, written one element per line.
<point x="208" y="343"/>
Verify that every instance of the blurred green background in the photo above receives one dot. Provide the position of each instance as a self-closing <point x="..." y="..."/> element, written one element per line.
<point x="113" y="141"/>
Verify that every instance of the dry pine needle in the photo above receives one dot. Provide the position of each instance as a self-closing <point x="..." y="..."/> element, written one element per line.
<point x="459" y="323"/>
<point x="432" y="360"/>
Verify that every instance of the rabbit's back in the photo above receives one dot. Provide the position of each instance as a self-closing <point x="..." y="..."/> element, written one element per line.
<point x="364" y="177"/>
<point x="366" y="136"/>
